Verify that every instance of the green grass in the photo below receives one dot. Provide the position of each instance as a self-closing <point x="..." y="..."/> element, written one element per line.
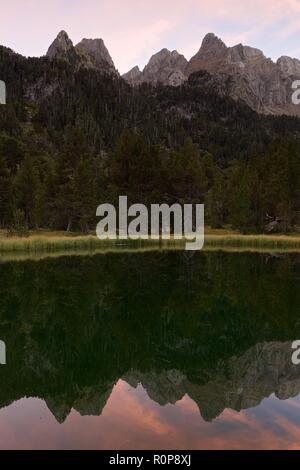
<point x="47" y="243"/>
<point x="52" y="244"/>
<point x="274" y="242"/>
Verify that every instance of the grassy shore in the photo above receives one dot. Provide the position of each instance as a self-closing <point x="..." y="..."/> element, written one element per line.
<point x="58" y="242"/>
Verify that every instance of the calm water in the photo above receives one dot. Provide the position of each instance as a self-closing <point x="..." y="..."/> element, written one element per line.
<point x="153" y="350"/>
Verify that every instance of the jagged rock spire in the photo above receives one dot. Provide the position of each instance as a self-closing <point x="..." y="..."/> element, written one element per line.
<point x="60" y="46"/>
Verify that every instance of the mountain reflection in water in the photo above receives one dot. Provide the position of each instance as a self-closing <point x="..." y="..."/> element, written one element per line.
<point x="127" y="336"/>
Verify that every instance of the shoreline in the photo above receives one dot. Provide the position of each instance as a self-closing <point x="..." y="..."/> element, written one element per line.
<point x="41" y="245"/>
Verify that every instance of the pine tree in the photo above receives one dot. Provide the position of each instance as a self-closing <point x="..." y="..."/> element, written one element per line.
<point x="5" y="193"/>
<point x="27" y="190"/>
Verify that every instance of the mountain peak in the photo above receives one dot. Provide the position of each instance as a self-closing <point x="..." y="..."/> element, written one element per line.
<point x="60" y="46"/>
<point x="210" y="55"/>
<point x="289" y="66"/>
<point x="165" y="54"/>
<point x="96" y="52"/>
<point x="134" y="76"/>
<point x="212" y="43"/>
<point x="160" y="55"/>
<point x="135" y="69"/>
<point x="163" y="65"/>
<point x="63" y="35"/>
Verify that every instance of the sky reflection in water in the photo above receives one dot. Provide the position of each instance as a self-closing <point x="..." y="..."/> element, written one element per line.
<point x="131" y="420"/>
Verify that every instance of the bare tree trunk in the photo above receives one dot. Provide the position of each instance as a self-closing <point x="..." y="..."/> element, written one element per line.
<point x="69" y="224"/>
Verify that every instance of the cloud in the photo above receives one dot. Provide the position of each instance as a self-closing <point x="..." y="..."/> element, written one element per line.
<point x="138" y="44"/>
<point x="131" y="419"/>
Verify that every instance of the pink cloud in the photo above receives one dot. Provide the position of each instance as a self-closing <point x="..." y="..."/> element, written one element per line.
<point x="130" y="420"/>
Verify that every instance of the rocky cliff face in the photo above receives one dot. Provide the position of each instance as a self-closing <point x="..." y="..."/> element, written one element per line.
<point x="89" y="53"/>
<point x="210" y="56"/>
<point x="289" y="67"/>
<point x="166" y="67"/>
<point x="134" y="76"/>
<point x="94" y="53"/>
<point x="264" y="85"/>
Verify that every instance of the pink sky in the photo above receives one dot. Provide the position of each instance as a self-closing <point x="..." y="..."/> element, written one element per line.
<point x="135" y="29"/>
<point x="131" y="420"/>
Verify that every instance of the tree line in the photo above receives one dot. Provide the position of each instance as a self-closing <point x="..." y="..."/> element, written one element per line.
<point x="39" y="190"/>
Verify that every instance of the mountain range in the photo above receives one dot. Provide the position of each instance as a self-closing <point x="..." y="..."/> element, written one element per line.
<point x="250" y="76"/>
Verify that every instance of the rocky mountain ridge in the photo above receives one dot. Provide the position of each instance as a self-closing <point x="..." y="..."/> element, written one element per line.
<point x="89" y="53"/>
<point x="244" y="72"/>
<point x="264" y="85"/>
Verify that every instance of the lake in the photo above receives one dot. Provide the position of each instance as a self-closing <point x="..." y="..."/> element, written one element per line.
<point x="155" y="350"/>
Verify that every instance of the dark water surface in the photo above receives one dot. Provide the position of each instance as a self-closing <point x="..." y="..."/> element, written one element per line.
<point x="150" y="350"/>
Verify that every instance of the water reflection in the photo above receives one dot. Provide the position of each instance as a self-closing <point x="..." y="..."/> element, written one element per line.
<point x="179" y="351"/>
